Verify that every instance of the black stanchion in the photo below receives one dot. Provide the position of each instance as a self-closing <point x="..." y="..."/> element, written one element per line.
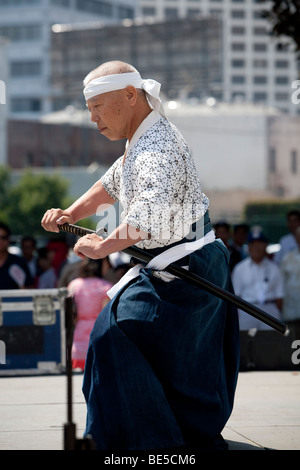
<point x="70" y="440"/>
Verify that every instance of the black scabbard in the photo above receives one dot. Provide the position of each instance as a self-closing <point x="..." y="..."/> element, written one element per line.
<point x="192" y="278"/>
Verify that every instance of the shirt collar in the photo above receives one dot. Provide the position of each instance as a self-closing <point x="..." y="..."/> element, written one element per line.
<point x="148" y="122"/>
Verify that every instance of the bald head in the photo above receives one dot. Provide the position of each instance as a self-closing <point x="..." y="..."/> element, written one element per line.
<point x="109" y="68"/>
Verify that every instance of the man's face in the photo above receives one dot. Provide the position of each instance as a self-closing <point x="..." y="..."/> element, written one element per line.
<point x="293" y="223"/>
<point x="110" y="111"/>
<point x="28" y="249"/>
<point x="257" y="250"/>
<point x="4" y="241"/>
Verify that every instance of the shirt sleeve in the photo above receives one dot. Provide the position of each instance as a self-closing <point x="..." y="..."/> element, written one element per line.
<point x="278" y="283"/>
<point x="111" y="179"/>
<point x="156" y="179"/>
<point x="236" y="276"/>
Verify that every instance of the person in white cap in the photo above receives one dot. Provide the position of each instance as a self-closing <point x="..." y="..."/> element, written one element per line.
<point x="163" y="358"/>
<point x="258" y="280"/>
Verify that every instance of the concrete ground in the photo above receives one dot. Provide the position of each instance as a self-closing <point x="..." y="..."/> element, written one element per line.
<point x="33" y="411"/>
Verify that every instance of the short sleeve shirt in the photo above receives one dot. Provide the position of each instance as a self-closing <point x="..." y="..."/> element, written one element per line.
<point x="158" y="185"/>
<point x="14" y="273"/>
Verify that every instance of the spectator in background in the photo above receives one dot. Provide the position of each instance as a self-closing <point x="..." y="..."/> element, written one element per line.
<point x="60" y="250"/>
<point x="69" y="270"/>
<point x="46" y="275"/>
<point x="259" y="281"/>
<point x="290" y="267"/>
<point x="120" y="263"/>
<point x="28" y="248"/>
<point x="222" y="231"/>
<point x="288" y="242"/>
<point x="238" y="244"/>
<point x="14" y="273"/>
<point x="89" y="291"/>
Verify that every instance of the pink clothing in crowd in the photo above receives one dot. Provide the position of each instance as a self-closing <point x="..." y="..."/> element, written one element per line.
<point x="90" y="297"/>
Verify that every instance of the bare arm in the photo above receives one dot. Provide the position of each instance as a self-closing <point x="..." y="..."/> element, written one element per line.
<point x="83" y="207"/>
<point x="122" y="237"/>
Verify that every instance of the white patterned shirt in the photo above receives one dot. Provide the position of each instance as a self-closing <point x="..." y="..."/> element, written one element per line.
<point x="158" y="185"/>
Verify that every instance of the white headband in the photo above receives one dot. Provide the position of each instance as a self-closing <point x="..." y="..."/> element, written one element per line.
<point x="122" y="80"/>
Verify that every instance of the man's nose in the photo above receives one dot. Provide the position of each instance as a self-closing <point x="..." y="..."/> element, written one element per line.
<point x="94" y="116"/>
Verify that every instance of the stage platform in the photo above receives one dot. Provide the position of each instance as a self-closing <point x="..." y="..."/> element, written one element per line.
<point x="266" y="415"/>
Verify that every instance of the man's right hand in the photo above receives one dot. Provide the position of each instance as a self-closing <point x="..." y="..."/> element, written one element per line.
<point x="54" y="217"/>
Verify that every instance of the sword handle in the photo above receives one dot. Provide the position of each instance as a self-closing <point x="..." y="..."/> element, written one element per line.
<point x="78" y="231"/>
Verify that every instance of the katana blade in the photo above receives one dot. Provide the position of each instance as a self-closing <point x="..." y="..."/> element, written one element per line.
<point x="192" y="278"/>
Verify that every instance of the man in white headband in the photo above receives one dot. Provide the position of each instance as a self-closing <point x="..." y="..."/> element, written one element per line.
<point x="163" y="357"/>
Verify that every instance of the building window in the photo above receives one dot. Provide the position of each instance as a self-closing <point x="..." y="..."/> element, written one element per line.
<point x="260" y="63"/>
<point x="238" y="96"/>
<point x="237" y="79"/>
<point x="237" y="14"/>
<point x="281" y="64"/>
<point x="61" y="3"/>
<point x="294" y="161"/>
<point x="280" y="47"/>
<point x="31" y="68"/>
<point x="238" y="46"/>
<point x="237" y="30"/>
<point x="23" y="105"/>
<point x="260" y="96"/>
<point x="281" y="80"/>
<point x="171" y="13"/>
<point x="92" y="6"/>
<point x="123" y="12"/>
<point x="260" y="47"/>
<point x="282" y="96"/>
<point x="238" y="63"/>
<point x="18" y="3"/>
<point x="272" y="160"/>
<point x="259" y="31"/>
<point x="192" y="12"/>
<point x="149" y="11"/>
<point x="257" y="15"/>
<point x="259" y="80"/>
<point x="216" y="12"/>
<point x="26" y="32"/>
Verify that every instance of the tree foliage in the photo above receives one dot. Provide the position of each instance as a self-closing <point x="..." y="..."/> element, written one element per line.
<point x="284" y="17"/>
<point x="22" y="205"/>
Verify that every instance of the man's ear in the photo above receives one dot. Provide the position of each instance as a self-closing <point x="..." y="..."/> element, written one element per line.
<point x="131" y="95"/>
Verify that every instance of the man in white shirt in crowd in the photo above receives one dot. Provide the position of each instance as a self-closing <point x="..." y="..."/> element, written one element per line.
<point x="258" y="280"/>
<point x="290" y="267"/>
<point x="288" y="242"/>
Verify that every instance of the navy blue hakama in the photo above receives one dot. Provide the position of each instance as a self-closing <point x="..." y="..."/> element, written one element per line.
<point x="162" y="363"/>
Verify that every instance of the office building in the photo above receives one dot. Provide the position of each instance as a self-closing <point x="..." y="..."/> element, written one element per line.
<point x="257" y="67"/>
<point x="27" y="25"/>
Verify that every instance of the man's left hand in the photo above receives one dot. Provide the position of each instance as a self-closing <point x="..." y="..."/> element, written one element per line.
<point x="90" y="246"/>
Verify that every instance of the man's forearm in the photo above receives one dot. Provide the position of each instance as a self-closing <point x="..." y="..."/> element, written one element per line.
<point x="89" y="202"/>
<point x="122" y="237"/>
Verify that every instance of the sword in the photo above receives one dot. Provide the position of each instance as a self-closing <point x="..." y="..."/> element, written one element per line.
<point x="192" y="278"/>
